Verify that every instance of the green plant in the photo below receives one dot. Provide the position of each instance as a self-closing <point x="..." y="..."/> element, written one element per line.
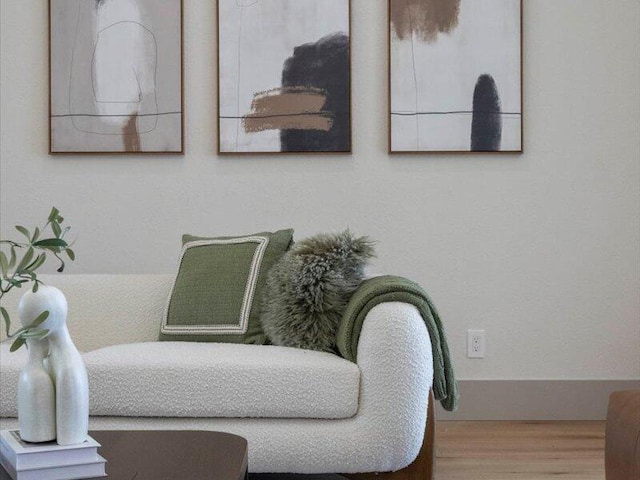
<point x="19" y="261"/>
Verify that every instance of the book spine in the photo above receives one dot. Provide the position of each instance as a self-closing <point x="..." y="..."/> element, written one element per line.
<point x="28" y="461"/>
<point x="8" y="455"/>
<point x="72" y="472"/>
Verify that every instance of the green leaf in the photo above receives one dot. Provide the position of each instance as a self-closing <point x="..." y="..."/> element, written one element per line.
<point x="4" y="265"/>
<point x="39" y="319"/>
<point x="28" y="276"/>
<point x="7" y="320"/>
<point x="19" y="332"/>
<point x="35" y="287"/>
<point x="54" y="214"/>
<point x="37" y="263"/>
<point x="57" y="231"/>
<point x="51" y="242"/>
<point x="24" y="231"/>
<point x="17" y="344"/>
<point x="35" y="334"/>
<point x="71" y="254"/>
<point x="36" y="234"/>
<point x="26" y="260"/>
<point x="12" y="261"/>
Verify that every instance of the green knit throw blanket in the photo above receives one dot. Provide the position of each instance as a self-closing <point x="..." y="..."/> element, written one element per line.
<point x="389" y="288"/>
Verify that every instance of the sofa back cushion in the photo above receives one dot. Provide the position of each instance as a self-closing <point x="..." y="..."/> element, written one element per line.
<point x="216" y="293"/>
<point x="107" y="310"/>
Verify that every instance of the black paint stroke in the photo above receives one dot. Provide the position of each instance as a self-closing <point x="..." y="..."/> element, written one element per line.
<point x="486" y="126"/>
<point x="323" y="65"/>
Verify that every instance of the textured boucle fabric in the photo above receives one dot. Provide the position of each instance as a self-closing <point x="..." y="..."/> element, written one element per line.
<point x="10" y="366"/>
<point x="394" y="358"/>
<point x="184" y="379"/>
<point x="108" y="309"/>
<point x="309" y="288"/>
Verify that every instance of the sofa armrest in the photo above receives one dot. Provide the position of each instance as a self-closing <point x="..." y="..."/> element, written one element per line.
<point x="387" y="289"/>
<point x="396" y="367"/>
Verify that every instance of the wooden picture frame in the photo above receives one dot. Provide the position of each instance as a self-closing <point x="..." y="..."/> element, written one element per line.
<point x="472" y="136"/>
<point x="119" y="105"/>
<point x="327" y="127"/>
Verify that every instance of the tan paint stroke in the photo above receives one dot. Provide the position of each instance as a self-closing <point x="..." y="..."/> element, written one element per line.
<point x="425" y="18"/>
<point x="289" y="108"/>
<point x="130" y="135"/>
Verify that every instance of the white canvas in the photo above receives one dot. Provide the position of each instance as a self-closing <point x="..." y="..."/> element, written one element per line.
<point x="433" y="82"/>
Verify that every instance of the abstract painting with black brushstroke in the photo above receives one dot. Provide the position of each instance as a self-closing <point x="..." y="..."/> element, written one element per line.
<point x="284" y="76"/>
<point x="455" y="76"/>
<point x="116" y="76"/>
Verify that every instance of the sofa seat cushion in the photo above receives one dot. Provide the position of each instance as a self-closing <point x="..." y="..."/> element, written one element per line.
<point x="11" y="363"/>
<point x="209" y="380"/>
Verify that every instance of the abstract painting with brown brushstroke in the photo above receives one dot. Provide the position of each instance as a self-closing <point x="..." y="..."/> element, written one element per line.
<point x="116" y="76"/>
<point x="286" y="89"/>
<point x="423" y="18"/>
<point x="455" y="71"/>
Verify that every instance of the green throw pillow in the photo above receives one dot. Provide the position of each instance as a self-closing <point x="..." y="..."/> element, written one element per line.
<point x="216" y="294"/>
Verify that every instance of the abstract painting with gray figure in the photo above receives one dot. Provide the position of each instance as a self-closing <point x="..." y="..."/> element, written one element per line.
<point x="116" y="76"/>
<point x="455" y="76"/>
<point x="284" y="76"/>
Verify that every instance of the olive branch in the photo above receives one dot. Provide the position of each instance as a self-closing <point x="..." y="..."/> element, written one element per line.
<point x="19" y="261"/>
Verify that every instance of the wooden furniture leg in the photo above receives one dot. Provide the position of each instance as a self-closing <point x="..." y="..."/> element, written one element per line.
<point x="622" y="441"/>
<point x="423" y="468"/>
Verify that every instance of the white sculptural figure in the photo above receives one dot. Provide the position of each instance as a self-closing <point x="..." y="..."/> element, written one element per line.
<point x="64" y="362"/>
<point x="36" y="394"/>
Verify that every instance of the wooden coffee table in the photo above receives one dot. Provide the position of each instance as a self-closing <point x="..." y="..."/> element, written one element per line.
<point x="171" y="455"/>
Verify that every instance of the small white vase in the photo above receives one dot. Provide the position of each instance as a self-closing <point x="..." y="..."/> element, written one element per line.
<point x="36" y="396"/>
<point x="64" y="363"/>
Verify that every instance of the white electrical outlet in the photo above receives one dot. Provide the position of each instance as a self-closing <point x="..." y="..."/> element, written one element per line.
<point x="475" y="344"/>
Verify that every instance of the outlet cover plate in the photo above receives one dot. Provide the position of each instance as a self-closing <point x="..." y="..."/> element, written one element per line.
<point x="475" y="344"/>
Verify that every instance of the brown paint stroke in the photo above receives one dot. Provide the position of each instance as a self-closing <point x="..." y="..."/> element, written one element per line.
<point x="288" y="108"/>
<point x="307" y="122"/>
<point x="130" y="135"/>
<point x="286" y="100"/>
<point x="426" y="18"/>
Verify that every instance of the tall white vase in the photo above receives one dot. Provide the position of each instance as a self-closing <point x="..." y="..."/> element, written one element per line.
<point x="65" y="365"/>
<point x="36" y="395"/>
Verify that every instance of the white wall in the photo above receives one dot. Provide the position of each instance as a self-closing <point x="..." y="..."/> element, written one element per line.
<point x="541" y="250"/>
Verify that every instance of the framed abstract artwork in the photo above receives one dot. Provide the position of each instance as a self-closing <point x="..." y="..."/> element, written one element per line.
<point x="116" y="76"/>
<point x="284" y="76"/>
<point x="455" y="76"/>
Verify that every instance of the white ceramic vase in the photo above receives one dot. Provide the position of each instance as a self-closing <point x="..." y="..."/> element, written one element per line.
<point x="64" y="364"/>
<point x="36" y="396"/>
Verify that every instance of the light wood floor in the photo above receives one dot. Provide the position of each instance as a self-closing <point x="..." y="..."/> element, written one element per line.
<point x="520" y="450"/>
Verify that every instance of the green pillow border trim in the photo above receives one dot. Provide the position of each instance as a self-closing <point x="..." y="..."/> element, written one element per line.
<point x="247" y="303"/>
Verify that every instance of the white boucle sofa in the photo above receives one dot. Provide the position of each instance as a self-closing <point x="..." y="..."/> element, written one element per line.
<point x="301" y="411"/>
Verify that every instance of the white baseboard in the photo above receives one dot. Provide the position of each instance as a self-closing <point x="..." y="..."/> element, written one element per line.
<point x="534" y="399"/>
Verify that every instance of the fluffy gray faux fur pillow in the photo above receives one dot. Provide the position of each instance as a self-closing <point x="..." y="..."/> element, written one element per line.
<point x="308" y="290"/>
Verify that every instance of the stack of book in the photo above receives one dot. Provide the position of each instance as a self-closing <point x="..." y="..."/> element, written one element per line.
<point x="49" y="461"/>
